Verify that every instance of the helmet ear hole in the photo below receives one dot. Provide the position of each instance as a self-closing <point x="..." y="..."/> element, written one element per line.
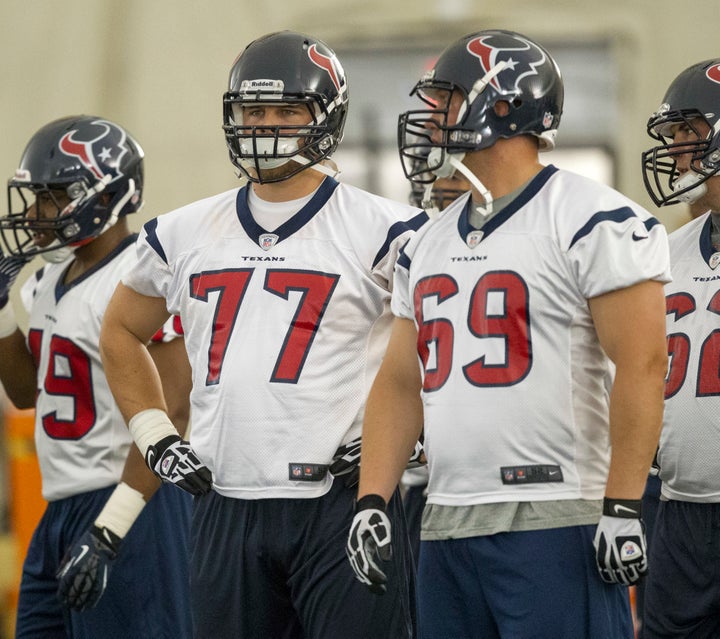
<point x="502" y="108"/>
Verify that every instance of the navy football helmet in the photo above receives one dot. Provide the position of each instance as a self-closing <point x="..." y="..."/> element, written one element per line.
<point x="693" y="96"/>
<point x="94" y="163"/>
<point x="284" y="68"/>
<point x="484" y="68"/>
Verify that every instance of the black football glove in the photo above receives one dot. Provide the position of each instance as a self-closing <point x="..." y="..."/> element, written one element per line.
<point x="655" y="466"/>
<point x="346" y="462"/>
<point x="369" y="542"/>
<point x="174" y="462"/>
<point x="417" y="458"/>
<point x="620" y="546"/>
<point x="10" y="267"/>
<point x="84" y="570"/>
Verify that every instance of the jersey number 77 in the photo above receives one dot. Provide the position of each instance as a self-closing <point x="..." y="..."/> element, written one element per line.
<point x="231" y="285"/>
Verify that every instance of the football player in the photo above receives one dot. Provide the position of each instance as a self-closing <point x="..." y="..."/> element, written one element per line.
<point x="511" y="300"/>
<point x="283" y="286"/>
<point x="681" y="596"/>
<point x="78" y="179"/>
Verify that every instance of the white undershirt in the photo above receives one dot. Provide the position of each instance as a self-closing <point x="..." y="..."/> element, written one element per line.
<point x="271" y="215"/>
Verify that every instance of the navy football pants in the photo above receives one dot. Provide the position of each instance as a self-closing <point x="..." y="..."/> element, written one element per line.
<point x="148" y="588"/>
<point x="519" y="585"/>
<point x="277" y="568"/>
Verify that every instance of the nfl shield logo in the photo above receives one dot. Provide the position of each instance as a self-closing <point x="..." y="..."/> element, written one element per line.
<point x="547" y="120"/>
<point x="474" y="238"/>
<point x="714" y="260"/>
<point x="267" y="241"/>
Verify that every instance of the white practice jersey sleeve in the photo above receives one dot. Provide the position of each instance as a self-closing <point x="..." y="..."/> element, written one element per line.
<point x="690" y="438"/>
<point x="515" y="385"/>
<point x="80" y="436"/>
<point x="284" y="330"/>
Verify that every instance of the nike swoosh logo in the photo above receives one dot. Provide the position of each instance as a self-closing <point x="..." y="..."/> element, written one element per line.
<point x="637" y="238"/>
<point x="620" y="509"/>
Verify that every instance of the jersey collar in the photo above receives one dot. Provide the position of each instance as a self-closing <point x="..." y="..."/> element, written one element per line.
<point x="707" y="250"/>
<point x="295" y="223"/>
<point x="505" y="214"/>
<point x="61" y="288"/>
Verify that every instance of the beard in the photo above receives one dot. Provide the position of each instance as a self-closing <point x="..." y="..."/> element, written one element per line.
<point x="278" y="173"/>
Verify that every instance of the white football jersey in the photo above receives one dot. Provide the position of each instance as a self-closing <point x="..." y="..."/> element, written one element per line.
<point x="514" y="382"/>
<point x="690" y="439"/>
<point x="284" y="330"/>
<point x="81" y="439"/>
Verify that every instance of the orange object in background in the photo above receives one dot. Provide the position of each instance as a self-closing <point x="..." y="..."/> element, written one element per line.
<point x="26" y="504"/>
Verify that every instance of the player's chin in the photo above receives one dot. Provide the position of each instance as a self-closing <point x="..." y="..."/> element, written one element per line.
<point x="42" y="239"/>
<point x="278" y="173"/>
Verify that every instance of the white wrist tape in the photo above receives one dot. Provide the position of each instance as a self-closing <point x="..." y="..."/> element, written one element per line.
<point x="121" y="510"/>
<point x="8" y="323"/>
<point x="149" y="426"/>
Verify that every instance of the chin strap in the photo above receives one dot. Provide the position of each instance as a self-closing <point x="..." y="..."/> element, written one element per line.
<point x="693" y="193"/>
<point x="485" y="210"/>
<point x="326" y="166"/>
<point x="427" y="201"/>
<point x="57" y="255"/>
<point x="479" y="87"/>
<point x="452" y="163"/>
<point x="119" y="206"/>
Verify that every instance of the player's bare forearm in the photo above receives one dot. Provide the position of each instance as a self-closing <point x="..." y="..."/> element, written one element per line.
<point x="130" y="321"/>
<point x="18" y="373"/>
<point x="636" y="410"/>
<point x="631" y="327"/>
<point x="173" y="366"/>
<point x="393" y="415"/>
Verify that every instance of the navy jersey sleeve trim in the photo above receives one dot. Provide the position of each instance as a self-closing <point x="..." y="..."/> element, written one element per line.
<point x="403" y="260"/>
<point x="397" y="229"/>
<point x="706" y="246"/>
<point x="617" y="216"/>
<point x="153" y="240"/>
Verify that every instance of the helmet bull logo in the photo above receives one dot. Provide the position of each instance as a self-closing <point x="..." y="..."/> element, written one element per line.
<point x="324" y="62"/>
<point x="490" y="55"/>
<point x="101" y="154"/>
<point x="713" y="73"/>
